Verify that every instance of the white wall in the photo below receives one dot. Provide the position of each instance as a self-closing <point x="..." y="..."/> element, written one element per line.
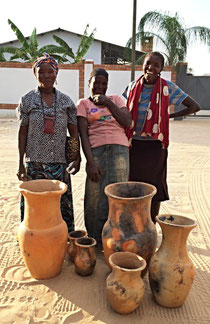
<point x="15" y="82"/>
<point x="118" y="80"/>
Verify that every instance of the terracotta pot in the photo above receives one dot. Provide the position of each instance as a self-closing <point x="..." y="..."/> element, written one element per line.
<point x="125" y="287"/>
<point x="71" y="248"/>
<point x="42" y="234"/>
<point x="85" y="258"/>
<point x="129" y="226"/>
<point x="171" y="272"/>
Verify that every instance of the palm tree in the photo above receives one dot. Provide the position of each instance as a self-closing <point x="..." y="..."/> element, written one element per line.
<point x="67" y="51"/>
<point x="172" y="35"/>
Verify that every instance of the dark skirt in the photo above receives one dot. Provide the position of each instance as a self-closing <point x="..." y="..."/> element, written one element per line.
<point x="53" y="171"/>
<point x="148" y="163"/>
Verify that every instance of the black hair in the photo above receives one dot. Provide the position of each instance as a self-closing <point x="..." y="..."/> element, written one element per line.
<point x="99" y="72"/>
<point x="161" y="57"/>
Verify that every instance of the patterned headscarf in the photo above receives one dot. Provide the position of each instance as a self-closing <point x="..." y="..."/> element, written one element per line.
<point x="46" y="58"/>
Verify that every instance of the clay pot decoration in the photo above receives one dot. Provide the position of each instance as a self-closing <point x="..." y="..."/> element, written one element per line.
<point x="85" y="258"/>
<point x="42" y="235"/>
<point x="171" y="272"/>
<point x="129" y="226"/>
<point x="71" y="248"/>
<point x="125" y="287"/>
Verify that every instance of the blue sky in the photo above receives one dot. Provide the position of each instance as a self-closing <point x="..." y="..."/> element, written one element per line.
<point x="112" y="19"/>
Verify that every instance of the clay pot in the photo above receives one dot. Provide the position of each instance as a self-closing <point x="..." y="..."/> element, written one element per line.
<point x="129" y="226"/>
<point x="85" y="258"/>
<point x="71" y="248"/>
<point x="42" y="234"/>
<point x="171" y="272"/>
<point x="125" y="287"/>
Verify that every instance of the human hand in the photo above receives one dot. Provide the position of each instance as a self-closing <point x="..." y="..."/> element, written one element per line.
<point x="74" y="166"/>
<point x="100" y="99"/>
<point x="93" y="172"/>
<point x="21" y="174"/>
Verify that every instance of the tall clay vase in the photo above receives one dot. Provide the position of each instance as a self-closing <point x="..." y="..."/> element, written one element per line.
<point x="125" y="287"/>
<point x="71" y="248"/>
<point x="171" y="272"/>
<point x="43" y="234"/>
<point x="85" y="258"/>
<point x="129" y="226"/>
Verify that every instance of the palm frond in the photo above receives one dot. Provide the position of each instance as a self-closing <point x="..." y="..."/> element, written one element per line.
<point x="198" y="33"/>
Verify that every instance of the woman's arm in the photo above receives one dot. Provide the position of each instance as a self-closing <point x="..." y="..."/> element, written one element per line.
<point x="22" y="141"/>
<point x="121" y="115"/>
<point x="73" y="132"/>
<point x="192" y="107"/>
<point x="93" y="170"/>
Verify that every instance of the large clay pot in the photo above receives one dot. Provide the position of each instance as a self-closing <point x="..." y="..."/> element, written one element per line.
<point x="129" y="226"/>
<point x="71" y="248"/>
<point x="125" y="287"/>
<point x="171" y="272"/>
<point x="43" y="234"/>
<point x="85" y="258"/>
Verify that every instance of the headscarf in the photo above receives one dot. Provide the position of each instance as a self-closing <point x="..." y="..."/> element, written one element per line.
<point x="99" y="72"/>
<point x="46" y="58"/>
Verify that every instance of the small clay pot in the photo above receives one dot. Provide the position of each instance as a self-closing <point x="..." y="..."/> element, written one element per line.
<point x="85" y="258"/>
<point x="71" y="248"/>
<point x="125" y="287"/>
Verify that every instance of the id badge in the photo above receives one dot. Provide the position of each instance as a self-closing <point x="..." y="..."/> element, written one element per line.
<point x="49" y="124"/>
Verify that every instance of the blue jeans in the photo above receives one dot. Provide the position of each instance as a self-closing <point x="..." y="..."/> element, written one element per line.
<point x="113" y="159"/>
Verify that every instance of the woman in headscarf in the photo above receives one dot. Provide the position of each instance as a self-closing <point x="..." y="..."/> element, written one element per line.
<point x="101" y="122"/>
<point x="44" y="115"/>
<point x="148" y="101"/>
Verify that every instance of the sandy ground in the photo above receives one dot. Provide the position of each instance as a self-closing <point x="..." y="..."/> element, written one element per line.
<point x="69" y="298"/>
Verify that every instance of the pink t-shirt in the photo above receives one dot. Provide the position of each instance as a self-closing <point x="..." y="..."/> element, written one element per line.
<point x="102" y="126"/>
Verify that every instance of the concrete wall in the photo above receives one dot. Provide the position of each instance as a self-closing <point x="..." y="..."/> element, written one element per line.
<point x="17" y="79"/>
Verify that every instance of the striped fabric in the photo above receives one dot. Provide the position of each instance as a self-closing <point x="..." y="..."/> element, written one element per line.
<point x="176" y="97"/>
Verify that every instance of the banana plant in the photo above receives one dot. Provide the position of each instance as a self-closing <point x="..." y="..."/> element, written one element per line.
<point x="28" y="51"/>
<point x="66" y="50"/>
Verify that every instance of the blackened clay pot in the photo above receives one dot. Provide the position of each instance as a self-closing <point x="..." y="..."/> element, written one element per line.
<point x="125" y="287"/>
<point x="85" y="258"/>
<point x="71" y="248"/>
<point x="129" y="226"/>
<point x="171" y="272"/>
<point x="42" y="235"/>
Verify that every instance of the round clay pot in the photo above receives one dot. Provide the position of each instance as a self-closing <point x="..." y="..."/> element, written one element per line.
<point x="129" y="226"/>
<point x="85" y="258"/>
<point x="171" y="272"/>
<point x="125" y="287"/>
<point x="71" y="248"/>
<point x="43" y="233"/>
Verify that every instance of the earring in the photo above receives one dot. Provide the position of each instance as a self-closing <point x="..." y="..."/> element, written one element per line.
<point x="56" y="81"/>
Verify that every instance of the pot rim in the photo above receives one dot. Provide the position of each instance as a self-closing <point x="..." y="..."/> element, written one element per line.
<point x="85" y="238"/>
<point x="59" y="191"/>
<point x="83" y="234"/>
<point x="131" y="254"/>
<point x="167" y="220"/>
<point x="130" y="198"/>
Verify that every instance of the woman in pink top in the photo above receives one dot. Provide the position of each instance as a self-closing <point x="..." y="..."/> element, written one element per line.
<point x="101" y="123"/>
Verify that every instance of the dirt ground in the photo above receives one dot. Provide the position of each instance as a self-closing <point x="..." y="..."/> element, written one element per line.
<point x="69" y="298"/>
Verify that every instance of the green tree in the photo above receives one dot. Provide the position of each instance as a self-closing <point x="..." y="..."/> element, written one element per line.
<point x="28" y="51"/>
<point x="67" y="51"/>
<point x="170" y="32"/>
